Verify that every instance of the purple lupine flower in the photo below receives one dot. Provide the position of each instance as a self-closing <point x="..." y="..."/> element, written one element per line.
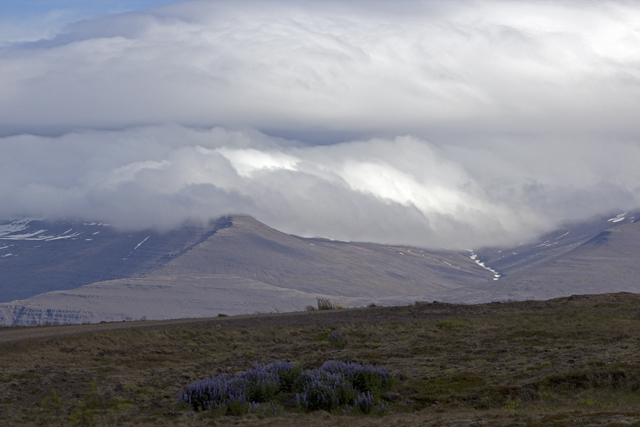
<point x="331" y="386"/>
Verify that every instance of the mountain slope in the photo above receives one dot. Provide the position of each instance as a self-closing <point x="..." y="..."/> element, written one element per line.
<point x="242" y="266"/>
<point x="239" y="265"/>
<point x="508" y="261"/>
<point x="608" y="262"/>
<point x="251" y="249"/>
<point x="166" y="297"/>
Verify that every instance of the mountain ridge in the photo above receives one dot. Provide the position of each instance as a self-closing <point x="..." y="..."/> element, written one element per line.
<point x="274" y="271"/>
<point x="238" y="265"/>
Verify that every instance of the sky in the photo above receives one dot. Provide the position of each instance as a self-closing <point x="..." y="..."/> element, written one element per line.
<point x="31" y="20"/>
<point x="432" y="123"/>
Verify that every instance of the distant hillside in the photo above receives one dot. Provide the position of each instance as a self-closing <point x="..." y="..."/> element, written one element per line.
<point x="594" y="261"/>
<point x="238" y="265"/>
<point x="252" y="250"/>
<point x="511" y="260"/>
<point x="241" y="266"/>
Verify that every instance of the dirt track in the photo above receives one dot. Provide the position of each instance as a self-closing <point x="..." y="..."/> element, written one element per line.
<point x="422" y="311"/>
<point x="21" y="333"/>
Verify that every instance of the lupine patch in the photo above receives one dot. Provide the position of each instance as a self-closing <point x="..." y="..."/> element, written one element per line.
<point x="336" y="339"/>
<point x="341" y="387"/>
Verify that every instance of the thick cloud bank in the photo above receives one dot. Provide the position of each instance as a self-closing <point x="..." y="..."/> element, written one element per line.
<point x="316" y="66"/>
<point x="387" y="190"/>
<point x="452" y="124"/>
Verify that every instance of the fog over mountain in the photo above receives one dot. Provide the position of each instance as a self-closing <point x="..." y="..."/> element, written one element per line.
<point x="437" y="124"/>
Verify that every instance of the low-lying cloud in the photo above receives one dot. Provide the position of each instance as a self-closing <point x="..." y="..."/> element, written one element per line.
<point x="400" y="190"/>
<point x="440" y="124"/>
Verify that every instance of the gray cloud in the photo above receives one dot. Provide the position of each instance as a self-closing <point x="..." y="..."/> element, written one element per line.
<point x="472" y="67"/>
<point x="452" y="124"/>
<point x="400" y="190"/>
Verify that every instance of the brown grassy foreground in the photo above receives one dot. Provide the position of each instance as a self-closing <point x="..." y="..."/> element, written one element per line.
<point x="566" y="362"/>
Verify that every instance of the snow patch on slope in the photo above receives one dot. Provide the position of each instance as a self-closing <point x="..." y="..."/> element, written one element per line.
<point x="618" y="218"/>
<point x="139" y="244"/>
<point x="12" y="230"/>
<point x="15" y="226"/>
<point x="474" y="257"/>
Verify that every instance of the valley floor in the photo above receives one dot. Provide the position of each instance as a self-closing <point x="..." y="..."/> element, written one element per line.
<point x="565" y="362"/>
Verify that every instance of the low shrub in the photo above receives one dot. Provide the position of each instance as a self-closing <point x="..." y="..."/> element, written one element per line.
<point x="325" y="304"/>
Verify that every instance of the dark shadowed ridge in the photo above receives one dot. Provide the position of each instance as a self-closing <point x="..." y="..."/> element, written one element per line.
<point x="47" y="256"/>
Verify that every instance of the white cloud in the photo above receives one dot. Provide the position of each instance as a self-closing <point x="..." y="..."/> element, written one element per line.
<point x="522" y="114"/>
<point x="249" y="161"/>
